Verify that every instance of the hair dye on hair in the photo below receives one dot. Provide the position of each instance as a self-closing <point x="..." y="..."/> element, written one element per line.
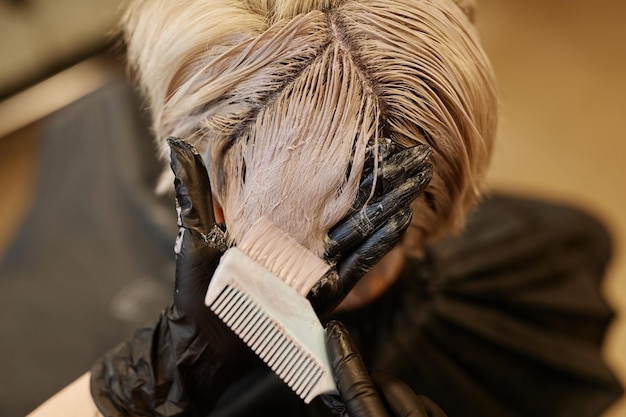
<point x="283" y="97"/>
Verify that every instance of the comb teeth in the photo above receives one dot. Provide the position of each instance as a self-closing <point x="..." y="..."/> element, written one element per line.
<point x="265" y="336"/>
<point x="274" y="319"/>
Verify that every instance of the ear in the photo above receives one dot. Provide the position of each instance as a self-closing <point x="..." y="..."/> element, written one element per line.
<point x="468" y="7"/>
<point x="218" y="213"/>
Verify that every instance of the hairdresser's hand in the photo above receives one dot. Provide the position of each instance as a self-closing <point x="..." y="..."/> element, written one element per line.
<point x="182" y="364"/>
<point x="363" y="237"/>
<point x="365" y="395"/>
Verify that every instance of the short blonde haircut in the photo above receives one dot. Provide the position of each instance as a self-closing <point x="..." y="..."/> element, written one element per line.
<point x="282" y="98"/>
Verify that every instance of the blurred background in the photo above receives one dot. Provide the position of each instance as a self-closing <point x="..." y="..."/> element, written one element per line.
<point x="562" y="72"/>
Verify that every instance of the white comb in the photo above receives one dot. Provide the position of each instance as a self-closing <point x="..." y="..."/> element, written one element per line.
<point x="259" y="290"/>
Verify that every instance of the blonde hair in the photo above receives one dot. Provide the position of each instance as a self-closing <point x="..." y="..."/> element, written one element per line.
<point x="282" y="98"/>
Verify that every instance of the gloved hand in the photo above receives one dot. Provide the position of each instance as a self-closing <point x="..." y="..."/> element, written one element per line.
<point x="367" y="234"/>
<point x="369" y="395"/>
<point x="182" y="364"/>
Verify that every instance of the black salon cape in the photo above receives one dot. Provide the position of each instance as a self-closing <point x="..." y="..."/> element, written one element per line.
<point x="505" y="320"/>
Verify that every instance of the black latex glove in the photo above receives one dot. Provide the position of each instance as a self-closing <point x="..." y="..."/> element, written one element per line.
<point x="182" y="364"/>
<point x="369" y="395"/>
<point x="363" y="237"/>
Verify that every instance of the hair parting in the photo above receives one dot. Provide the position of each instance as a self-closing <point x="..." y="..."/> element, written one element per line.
<point x="283" y="98"/>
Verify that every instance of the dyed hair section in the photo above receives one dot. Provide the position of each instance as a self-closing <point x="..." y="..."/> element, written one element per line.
<point x="283" y="97"/>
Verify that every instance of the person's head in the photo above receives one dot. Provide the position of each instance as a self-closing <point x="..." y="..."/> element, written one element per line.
<point x="282" y="98"/>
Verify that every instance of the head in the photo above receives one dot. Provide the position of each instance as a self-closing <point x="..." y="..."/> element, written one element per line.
<point x="282" y="97"/>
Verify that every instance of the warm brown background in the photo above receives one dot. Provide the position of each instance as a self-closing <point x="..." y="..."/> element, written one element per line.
<point x="562" y="71"/>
